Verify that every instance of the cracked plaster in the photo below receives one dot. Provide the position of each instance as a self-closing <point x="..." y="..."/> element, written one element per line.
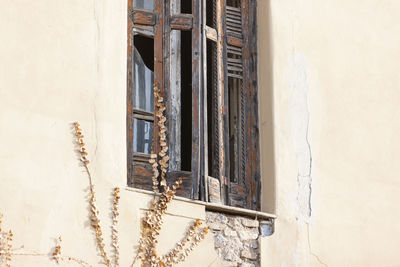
<point x="300" y="116"/>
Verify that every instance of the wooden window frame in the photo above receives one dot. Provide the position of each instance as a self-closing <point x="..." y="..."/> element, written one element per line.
<point x="163" y="21"/>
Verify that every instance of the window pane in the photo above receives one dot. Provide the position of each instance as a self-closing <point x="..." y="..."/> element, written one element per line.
<point x="146" y="4"/>
<point x="143" y="74"/>
<point x="142" y="136"/>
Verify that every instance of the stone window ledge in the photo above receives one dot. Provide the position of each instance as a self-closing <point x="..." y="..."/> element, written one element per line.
<point x="217" y="207"/>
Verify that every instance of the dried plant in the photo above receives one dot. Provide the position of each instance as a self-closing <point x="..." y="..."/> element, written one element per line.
<point x="162" y="129"/>
<point x="114" y="235"/>
<point x="5" y="245"/>
<point x="183" y="248"/>
<point x="94" y="217"/>
<point x="153" y="220"/>
<point x="6" y="250"/>
<point x="57" y="250"/>
<point x="154" y="165"/>
<point x="56" y="256"/>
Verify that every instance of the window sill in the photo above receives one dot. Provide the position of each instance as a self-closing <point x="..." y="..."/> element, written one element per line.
<point x="216" y="207"/>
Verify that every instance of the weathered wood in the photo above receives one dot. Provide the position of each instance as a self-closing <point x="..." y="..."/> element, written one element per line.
<point x="238" y="196"/>
<point x="158" y="65"/>
<point x="234" y="50"/>
<point x="183" y="22"/>
<point x="204" y="124"/>
<point x="143" y="17"/>
<point x="196" y="97"/>
<point x="230" y="20"/>
<point x="233" y="13"/>
<point x="237" y="65"/>
<point x="145" y="114"/>
<point x="223" y="121"/>
<point x="141" y="176"/>
<point x="214" y="190"/>
<point x="211" y="33"/>
<point x="187" y="182"/>
<point x="234" y="68"/>
<point x="141" y="22"/>
<point x="232" y="75"/>
<point x="139" y="169"/>
<point x="166" y="30"/>
<point x="244" y="186"/>
<point x="213" y="149"/>
<point x="234" y="61"/>
<point x="172" y="57"/>
<point x="235" y="41"/>
<point x="235" y="35"/>
<point x="252" y="161"/>
<point x="141" y="157"/>
<point x="143" y="117"/>
<point x="129" y="94"/>
<point x="144" y="30"/>
<point x="236" y="10"/>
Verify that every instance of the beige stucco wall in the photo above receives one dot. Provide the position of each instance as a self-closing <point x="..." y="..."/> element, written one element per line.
<point x="62" y="61"/>
<point x="331" y="68"/>
<point x="328" y="116"/>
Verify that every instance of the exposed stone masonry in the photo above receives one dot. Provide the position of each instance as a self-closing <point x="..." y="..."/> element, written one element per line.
<point x="235" y="239"/>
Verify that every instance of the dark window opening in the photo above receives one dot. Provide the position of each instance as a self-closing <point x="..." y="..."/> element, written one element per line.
<point x="186" y="101"/>
<point x="186" y="6"/>
<point x="210" y="14"/>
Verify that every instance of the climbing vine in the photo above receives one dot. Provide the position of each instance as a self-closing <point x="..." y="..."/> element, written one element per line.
<point x="153" y="220"/>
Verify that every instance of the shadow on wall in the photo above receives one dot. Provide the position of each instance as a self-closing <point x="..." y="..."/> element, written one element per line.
<point x="266" y="98"/>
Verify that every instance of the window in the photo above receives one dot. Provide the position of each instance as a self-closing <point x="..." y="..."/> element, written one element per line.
<point x="202" y="55"/>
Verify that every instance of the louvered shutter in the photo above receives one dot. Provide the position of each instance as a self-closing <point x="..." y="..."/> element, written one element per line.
<point x="241" y="58"/>
<point x="235" y="138"/>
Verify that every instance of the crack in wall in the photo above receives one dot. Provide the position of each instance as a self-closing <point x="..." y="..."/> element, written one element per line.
<point x="309" y="248"/>
<point x="97" y="72"/>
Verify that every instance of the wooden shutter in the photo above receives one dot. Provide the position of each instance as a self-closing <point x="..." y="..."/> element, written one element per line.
<point x="245" y="186"/>
<point x="162" y="24"/>
<point x="148" y="23"/>
<point x="235" y="120"/>
<point x="176" y="22"/>
<point x="224" y="129"/>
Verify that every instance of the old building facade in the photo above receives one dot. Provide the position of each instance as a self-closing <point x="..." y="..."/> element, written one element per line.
<point x="287" y="137"/>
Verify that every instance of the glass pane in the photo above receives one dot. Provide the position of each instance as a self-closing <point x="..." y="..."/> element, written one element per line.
<point x="142" y="136"/>
<point x="146" y="4"/>
<point x="143" y="74"/>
